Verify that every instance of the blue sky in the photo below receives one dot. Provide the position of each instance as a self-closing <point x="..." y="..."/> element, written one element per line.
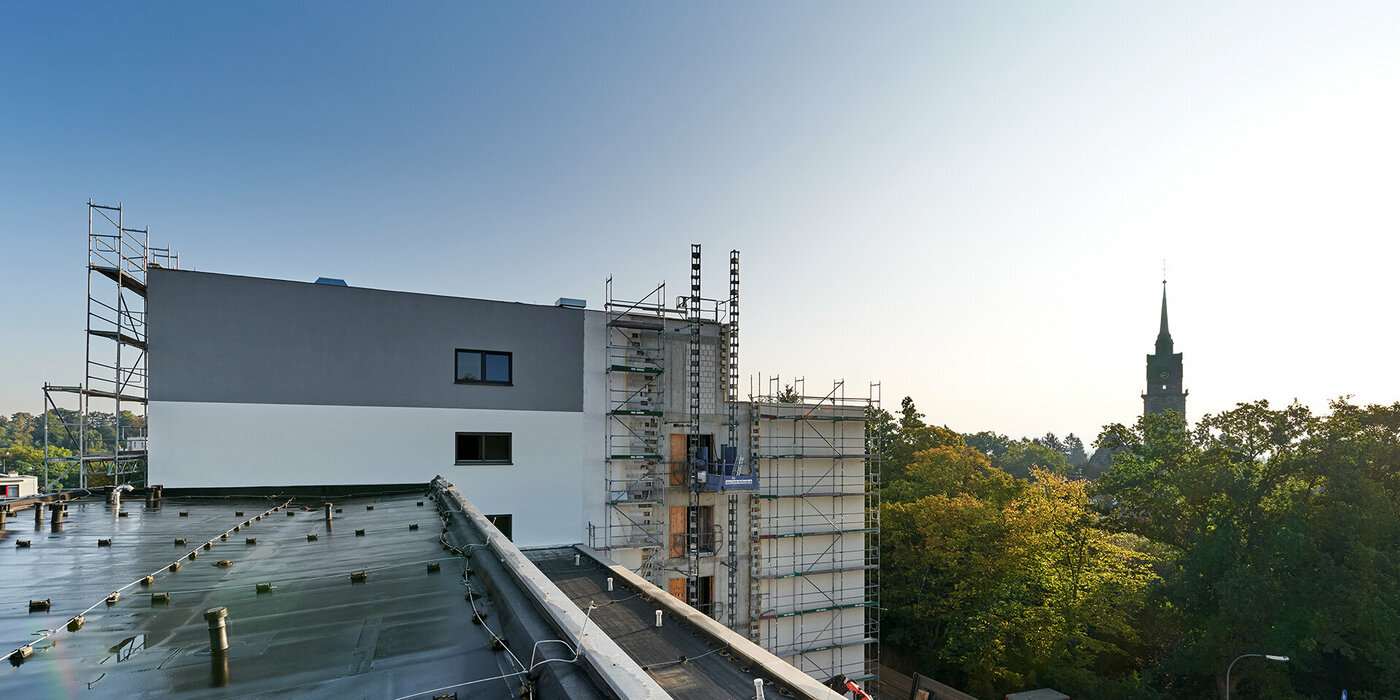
<point x="969" y="202"/>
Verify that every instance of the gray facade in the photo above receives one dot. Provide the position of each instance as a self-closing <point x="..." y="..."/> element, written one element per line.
<point x="230" y="339"/>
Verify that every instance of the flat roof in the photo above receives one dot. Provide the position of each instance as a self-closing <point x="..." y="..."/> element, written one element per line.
<point x="405" y="631"/>
<point x="686" y="662"/>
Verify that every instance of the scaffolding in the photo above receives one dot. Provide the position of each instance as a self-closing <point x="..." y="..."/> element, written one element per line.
<point x="816" y="572"/>
<point x="672" y="400"/>
<point x="115" y="364"/>
<point x="800" y="487"/>
<point x="636" y="395"/>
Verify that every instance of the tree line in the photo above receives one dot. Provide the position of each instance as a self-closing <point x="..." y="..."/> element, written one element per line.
<point x="22" y="441"/>
<point x="1006" y="567"/>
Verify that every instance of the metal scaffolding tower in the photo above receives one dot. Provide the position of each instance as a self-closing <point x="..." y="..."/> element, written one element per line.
<point x="819" y="530"/>
<point x="115" y="366"/>
<point x="636" y="478"/>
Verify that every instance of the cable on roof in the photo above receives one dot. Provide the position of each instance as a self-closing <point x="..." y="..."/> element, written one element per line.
<point x="476" y="613"/>
<point x="49" y="634"/>
<point x="685" y="659"/>
<point x="459" y="685"/>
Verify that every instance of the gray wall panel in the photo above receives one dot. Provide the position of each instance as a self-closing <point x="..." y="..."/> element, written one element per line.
<point x="222" y="338"/>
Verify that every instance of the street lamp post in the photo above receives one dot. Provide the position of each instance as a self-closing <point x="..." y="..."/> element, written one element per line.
<point x="1271" y="657"/>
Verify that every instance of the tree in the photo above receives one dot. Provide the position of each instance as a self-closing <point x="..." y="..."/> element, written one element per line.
<point x="1052" y="442"/>
<point x="996" y="585"/>
<point x="1281" y="529"/>
<point x="881" y="434"/>
<point x="993" y="445"/>
<point x="1075" y="453"/>
<point x="909" y="416"/>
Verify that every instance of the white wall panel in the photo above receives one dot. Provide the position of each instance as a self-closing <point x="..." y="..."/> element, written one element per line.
<point x="223" y="445"/>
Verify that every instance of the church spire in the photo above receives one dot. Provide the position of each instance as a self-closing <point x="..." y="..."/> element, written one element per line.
<point x="1164" y="336"/>
<point x="1164" y="389"/>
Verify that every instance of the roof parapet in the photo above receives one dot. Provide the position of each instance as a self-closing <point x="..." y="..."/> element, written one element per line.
<point x="603" y="655"/>
<point x="799" y="682"/>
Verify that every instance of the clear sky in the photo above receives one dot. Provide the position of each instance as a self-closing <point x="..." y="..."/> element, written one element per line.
<point x="970" y="202"/>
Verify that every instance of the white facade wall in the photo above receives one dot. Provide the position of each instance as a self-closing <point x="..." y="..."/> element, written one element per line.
<point x="226" y="446"/>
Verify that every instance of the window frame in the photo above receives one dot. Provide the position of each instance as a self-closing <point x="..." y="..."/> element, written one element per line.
<point x="481" y="437"/>
<point x="510" y="367"/>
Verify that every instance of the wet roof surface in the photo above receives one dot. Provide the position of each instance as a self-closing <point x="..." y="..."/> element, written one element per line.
<point x="402" y="632"/>
<point x="630" y="619"/>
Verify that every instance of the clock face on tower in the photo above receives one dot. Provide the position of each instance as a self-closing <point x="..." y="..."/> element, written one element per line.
<point x="1164" y="376"/>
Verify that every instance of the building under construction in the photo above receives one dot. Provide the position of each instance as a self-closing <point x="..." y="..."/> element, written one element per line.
<point x="762" y="511"/>
<point x="623" y="429"/>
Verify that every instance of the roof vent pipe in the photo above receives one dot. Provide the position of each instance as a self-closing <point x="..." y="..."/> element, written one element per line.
<point x="218" y="633"/>
<point x="115" y="497"/>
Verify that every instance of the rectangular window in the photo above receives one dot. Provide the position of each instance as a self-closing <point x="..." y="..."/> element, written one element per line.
<point x="483" y="367"/>
<point x="483" y="448"/>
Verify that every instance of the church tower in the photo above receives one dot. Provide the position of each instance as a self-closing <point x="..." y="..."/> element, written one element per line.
<point x="1164" y="372"/>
